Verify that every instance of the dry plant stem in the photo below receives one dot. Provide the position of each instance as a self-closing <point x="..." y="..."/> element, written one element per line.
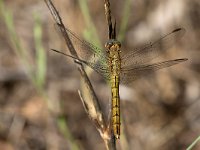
<point x="109" y="141"/>
<point x="108" y="16"/>
<point x="90" y="102"/>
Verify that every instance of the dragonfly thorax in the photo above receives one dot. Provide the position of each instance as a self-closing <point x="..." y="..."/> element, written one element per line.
<point x="114" y="60"/>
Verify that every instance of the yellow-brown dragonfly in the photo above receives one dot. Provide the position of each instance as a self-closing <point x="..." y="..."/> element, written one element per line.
<point x="123" y="68"/>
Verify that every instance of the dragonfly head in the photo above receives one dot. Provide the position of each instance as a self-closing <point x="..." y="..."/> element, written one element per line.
<point x="113" y="44"/>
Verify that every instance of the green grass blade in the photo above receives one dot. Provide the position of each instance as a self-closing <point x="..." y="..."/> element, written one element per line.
<point x="66" y="132"/>
<point x="37" y="78"/>
<point x="15" y="40"/>
<point x="125" y="18"/>
<point x="90" y="33"/>
<point x="193" y="144"/>
<point x="40" y="53"/>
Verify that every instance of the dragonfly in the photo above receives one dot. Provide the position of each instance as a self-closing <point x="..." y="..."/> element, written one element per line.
<point x="117" y="66"/>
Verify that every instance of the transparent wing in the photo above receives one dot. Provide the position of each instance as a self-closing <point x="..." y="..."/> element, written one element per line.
<point x="99" y="68"/>
<point x="84" y="49"/>
<point x="129" y="74"/>
<point x="141" y="56"/>
<point x="88" y="54"/>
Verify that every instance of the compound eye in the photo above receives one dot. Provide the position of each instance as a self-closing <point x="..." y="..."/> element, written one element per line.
<point x="108" y="45"/>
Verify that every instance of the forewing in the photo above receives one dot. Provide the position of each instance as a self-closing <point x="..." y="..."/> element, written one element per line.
<point x="130" y="74"/>
<point x="152" y="50"/>
<point x="85" y="50"/>
<point x="93" y="56"/>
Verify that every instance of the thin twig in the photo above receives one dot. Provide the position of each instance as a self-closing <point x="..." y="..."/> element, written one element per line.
<point x="108" y="17"/>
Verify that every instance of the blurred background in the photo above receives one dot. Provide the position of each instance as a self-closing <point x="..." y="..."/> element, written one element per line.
<point x="40" y="108"/>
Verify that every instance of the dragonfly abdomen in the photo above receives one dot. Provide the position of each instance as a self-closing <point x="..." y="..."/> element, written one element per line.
<point x="114" y="62"/>
<point x="115" y="105"/>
